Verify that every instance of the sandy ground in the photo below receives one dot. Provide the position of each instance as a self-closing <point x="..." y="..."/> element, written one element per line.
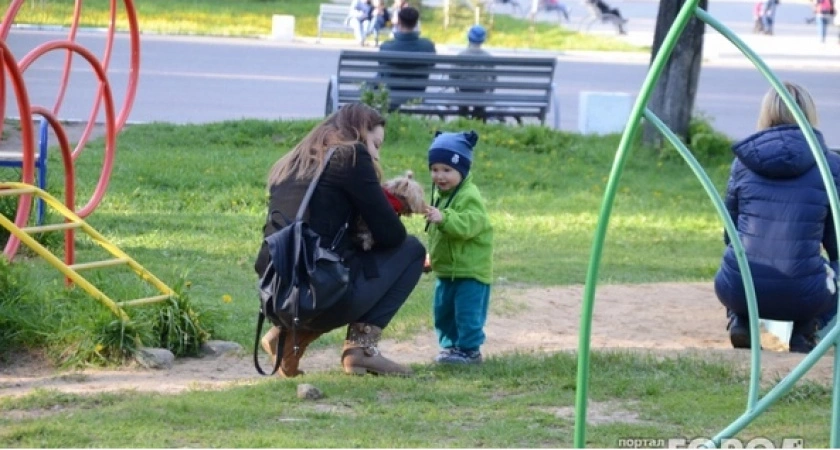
<point x="666" y="318"/>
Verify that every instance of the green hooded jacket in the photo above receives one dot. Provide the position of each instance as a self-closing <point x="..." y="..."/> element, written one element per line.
<point x="461" y="246"/>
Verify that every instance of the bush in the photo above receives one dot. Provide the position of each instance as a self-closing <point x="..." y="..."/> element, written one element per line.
<point x="705" y="142"/>
<point x="75" y="330"/>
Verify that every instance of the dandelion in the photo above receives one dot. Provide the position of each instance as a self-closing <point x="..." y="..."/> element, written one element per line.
<point x="99" y="348"/>
<point x="227" y="298"/>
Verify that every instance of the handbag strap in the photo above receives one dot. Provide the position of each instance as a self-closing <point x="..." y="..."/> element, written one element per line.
<point x="308" y="196"/>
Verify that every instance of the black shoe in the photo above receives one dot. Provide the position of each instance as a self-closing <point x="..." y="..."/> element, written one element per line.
<point x="803" y="338"/>
<point x="801" y="343"/>
<point x="739" y="332"/>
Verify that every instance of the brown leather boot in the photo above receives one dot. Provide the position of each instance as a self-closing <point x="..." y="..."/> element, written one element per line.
<point x="360" y="354"/>
<point x="289" y="364"/>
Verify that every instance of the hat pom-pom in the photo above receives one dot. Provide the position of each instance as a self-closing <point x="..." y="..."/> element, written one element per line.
<point x="472" y="138"/>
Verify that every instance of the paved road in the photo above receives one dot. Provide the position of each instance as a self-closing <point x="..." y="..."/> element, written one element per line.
<point x="194" y="80"/>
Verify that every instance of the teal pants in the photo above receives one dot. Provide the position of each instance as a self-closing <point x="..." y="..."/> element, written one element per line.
<point x="460" y="312"/>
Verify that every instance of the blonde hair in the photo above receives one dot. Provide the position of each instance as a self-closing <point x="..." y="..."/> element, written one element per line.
<point x="342" y="129"/>
<point x="774" y="112"/>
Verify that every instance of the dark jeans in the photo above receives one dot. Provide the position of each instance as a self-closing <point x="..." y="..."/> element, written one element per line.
<point x="376" y="300"/>
<point x="399" y="272"/>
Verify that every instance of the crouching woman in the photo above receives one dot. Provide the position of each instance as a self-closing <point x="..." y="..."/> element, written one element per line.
<point x="780" y="207"/>
<point x="349" y="188"/>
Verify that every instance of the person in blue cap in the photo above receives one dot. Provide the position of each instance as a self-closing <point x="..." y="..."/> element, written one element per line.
<point x="476" y="36"/>
<point x="460" y="249"/>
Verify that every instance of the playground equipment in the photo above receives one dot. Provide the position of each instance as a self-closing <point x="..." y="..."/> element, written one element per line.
<point x="27" y="161"/>
<point x="755" y="406"/>
<point x="13" y="159"/>
<point x="71" y="271"/>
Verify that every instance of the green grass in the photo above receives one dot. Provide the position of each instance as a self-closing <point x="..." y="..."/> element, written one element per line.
<point x="252" y="18"/>
<point x="190" y="200"/>
<point x="521" y="401"/>
<point x="187" y="202"/>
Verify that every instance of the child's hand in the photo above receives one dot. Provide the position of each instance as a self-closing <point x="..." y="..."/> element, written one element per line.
<point x="433" y="215"/>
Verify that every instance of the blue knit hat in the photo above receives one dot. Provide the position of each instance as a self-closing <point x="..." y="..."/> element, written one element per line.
<point x="454" y="150"/>
<point x="477" y="34"/>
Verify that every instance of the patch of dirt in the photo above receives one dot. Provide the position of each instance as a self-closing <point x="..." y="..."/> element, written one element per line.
<point x="666" y="319"/>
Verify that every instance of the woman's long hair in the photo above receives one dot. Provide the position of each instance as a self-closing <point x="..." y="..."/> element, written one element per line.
<point x="774" y="112"/>
<point x="342" y="129"/>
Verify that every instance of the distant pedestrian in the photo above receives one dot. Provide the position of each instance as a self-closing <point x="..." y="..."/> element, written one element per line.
<point x="379" y="19"/>
<point x="824" y="13"/>
<point x="769" y="15"/>
<point x="613" y="14"/>
<point x="556" y="6"/>
<point x="359" y="19"/>
<point x="758" y="17"/>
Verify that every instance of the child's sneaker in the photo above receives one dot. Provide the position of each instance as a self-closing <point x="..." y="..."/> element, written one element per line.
<point x="444" y="354"/>
<point x="472" y="356"/>
<point x="458" y="356"/>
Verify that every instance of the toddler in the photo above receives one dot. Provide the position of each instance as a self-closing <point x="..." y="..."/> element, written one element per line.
<point x="460" y="249"/>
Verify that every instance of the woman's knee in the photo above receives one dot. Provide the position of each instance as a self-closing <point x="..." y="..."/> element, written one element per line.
<point x="414" y="248"/>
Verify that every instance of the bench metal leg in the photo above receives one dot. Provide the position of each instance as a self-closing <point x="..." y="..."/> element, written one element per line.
<point x="332" y="96"/>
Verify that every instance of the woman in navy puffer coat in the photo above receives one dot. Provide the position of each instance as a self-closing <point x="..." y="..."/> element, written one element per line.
<point x="779" y="205"/>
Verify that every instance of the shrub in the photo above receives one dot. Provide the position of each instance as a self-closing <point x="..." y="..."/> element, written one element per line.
<point x="705" y="142"/>
<point x="177" y="326"/>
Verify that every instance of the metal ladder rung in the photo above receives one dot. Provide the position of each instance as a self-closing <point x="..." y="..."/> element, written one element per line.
<point x="17" y="191"/>
<point x="145" y="301"/>
<point x="52" y="227"/>
<point x="98" y="264"/>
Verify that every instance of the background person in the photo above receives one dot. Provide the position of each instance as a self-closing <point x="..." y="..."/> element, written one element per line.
<point x="769" y="16"/>
<point x="776" y="198"/>
<point x="824" y="14"/>
<point x="349" y="188"/>
<point x="606" y="9"/>
<point x="359" y="19"/>
<point x="476" y="36"/>
<point x="407" y="39"/>
<point x="556" y="6"/>
<point x="379" y="19"/>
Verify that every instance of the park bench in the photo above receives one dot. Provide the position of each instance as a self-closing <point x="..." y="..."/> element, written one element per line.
<point x="332" y="17"/>
<point x="485" y="87"/>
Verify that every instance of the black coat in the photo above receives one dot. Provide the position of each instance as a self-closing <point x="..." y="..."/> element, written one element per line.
<point x="348" y="189"/>
<point x="779" y="204"/>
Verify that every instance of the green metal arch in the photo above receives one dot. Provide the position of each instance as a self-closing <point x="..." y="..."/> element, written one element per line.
<point x="755" y="406"/>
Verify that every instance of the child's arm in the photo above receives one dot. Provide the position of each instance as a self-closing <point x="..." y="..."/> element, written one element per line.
<point x="463" y="220"/>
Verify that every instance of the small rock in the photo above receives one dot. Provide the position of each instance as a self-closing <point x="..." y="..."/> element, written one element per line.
<point x="216" y="348"/>
<point x="309" y="392"/>
<point x="155" y="358"/>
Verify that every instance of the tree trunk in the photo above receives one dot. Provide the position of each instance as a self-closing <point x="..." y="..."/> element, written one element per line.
<point x="672" y="99"/>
